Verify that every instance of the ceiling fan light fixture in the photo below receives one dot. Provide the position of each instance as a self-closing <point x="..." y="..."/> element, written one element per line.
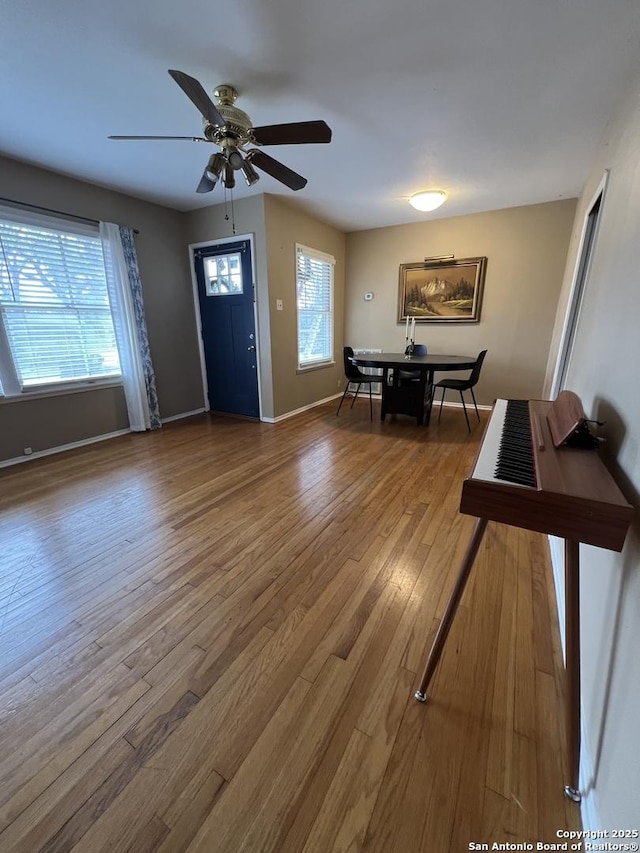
<point x="234" y="158"/>
<point x="250" y="175"/>
<point x="429" y="200"/>
<point x="229" y="177"/>
<point x="214" y="167"/>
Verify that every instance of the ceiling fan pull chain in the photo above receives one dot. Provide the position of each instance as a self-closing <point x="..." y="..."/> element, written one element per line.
<point x="233" y="214"/>
<point x="226" y="210"/>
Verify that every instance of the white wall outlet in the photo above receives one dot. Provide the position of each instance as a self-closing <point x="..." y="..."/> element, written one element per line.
<point x="27" y="451"/>
<point x="368" y="296"/>
<point x="279" y="305"/>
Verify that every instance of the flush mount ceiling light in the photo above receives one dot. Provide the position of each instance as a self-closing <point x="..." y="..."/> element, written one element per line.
<point x="428" y="200"/>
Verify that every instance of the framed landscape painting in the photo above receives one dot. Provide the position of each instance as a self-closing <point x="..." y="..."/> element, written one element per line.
<point x="445" y="291"/>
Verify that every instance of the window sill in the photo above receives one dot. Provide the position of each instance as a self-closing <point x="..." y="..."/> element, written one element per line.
<point x="60" y="392"/>
<point x="311" y="367"/>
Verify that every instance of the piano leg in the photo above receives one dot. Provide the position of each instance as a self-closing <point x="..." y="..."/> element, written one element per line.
<point x="572" y="636"/>
<point x="572" y="639"/>
<point x="452" y="606"/>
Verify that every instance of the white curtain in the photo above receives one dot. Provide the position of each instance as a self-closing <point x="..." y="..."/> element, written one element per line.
<point x="126" y="323"/>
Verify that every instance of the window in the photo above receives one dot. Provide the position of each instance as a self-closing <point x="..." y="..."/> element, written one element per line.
<point x="314" y="287"/>
<point x="223" y="275"/>
<point x="55" y="318"/>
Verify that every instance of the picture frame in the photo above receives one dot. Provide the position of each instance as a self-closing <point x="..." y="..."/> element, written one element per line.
<point x="442" y="291"/>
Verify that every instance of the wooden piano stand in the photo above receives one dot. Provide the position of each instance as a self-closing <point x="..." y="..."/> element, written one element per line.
<point x="572" y="638"/>
<point x="565" y="491"/>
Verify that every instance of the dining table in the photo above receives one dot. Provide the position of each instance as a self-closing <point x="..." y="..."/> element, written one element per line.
<point x="406" y="397"/>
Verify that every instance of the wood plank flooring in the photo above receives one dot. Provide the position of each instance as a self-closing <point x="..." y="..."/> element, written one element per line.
<point x="210" y="637"/>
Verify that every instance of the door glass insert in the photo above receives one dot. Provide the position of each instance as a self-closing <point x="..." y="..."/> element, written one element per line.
<point x="223" y="275"/>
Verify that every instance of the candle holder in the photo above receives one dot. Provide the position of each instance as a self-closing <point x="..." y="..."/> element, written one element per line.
<point x="410" y="349"/>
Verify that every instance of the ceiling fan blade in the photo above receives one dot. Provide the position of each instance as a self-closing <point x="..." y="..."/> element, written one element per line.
<point x="299" y="132"/>
<point x="206" y="184"/>
<point x="188" y="138"/>
<point x="197" y="95"/>
<point x="276" y="169"/>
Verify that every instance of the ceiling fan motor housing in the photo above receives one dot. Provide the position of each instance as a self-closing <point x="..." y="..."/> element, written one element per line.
<point x="237" y="124"/>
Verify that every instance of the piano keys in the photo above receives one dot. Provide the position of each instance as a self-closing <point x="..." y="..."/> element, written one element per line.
<point x="571" y="494"/>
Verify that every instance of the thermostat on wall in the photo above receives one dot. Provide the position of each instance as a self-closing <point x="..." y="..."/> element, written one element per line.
<point x="368" y="297"/>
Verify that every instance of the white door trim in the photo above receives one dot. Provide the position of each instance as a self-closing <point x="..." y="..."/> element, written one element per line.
<point x="578" y="288"/>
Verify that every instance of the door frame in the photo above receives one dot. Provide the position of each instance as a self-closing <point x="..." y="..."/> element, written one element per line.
<point x="580" y="280"/>
<point x="220" y="241"/>
<point x="579" y="284"/>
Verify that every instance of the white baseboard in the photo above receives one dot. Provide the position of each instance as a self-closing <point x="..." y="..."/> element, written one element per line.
<point x="317" y="403"/>
<point x="448" y="405"/>
<point x="365" y="396"/>
<point x="588" y="805"/>
<point x="38" y="454"/>
<point x="183" y="415"/>
<point x="299" y="411"/>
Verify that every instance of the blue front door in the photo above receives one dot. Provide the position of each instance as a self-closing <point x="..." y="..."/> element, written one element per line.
<point x="225" y="291"/>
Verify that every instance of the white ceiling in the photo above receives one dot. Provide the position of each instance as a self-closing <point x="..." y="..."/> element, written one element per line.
<point x="499" y="102"/>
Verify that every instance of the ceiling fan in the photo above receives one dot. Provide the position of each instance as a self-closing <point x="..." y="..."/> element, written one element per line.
<point x="230" y="128"/>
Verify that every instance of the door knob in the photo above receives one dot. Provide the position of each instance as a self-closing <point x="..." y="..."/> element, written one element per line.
<point x="251" y="349"/>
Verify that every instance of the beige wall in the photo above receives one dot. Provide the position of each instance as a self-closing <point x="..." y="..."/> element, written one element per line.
<point x="287" y="226"/>
<point x="53" y="421"/>
<point x="45" y="422"/>
<point x="604" y="372"/>
<point x="276" y="227"/>
<point x="526" y="249"/>
<point x="209" y="224"/>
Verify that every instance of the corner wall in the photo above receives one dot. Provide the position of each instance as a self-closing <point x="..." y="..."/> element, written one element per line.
<point x="286" y="226"/>
<point x="526" y="249"/>
<point x="276" y="227"/>
<point x="53" y="421"/>
<point x="604" y="372"/>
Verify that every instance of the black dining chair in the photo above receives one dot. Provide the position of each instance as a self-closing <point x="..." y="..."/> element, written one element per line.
<point x="355" y="376"/>
<point x="463" y="385"/>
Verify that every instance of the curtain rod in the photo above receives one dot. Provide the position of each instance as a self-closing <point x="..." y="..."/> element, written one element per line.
<point x="52" y="210"/>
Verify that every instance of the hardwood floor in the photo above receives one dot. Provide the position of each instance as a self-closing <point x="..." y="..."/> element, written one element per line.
<point x="210" y="637"/>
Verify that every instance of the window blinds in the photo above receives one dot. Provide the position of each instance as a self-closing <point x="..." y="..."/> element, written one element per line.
<point x="314" y="283"/>
<point x="54" y="305"/>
